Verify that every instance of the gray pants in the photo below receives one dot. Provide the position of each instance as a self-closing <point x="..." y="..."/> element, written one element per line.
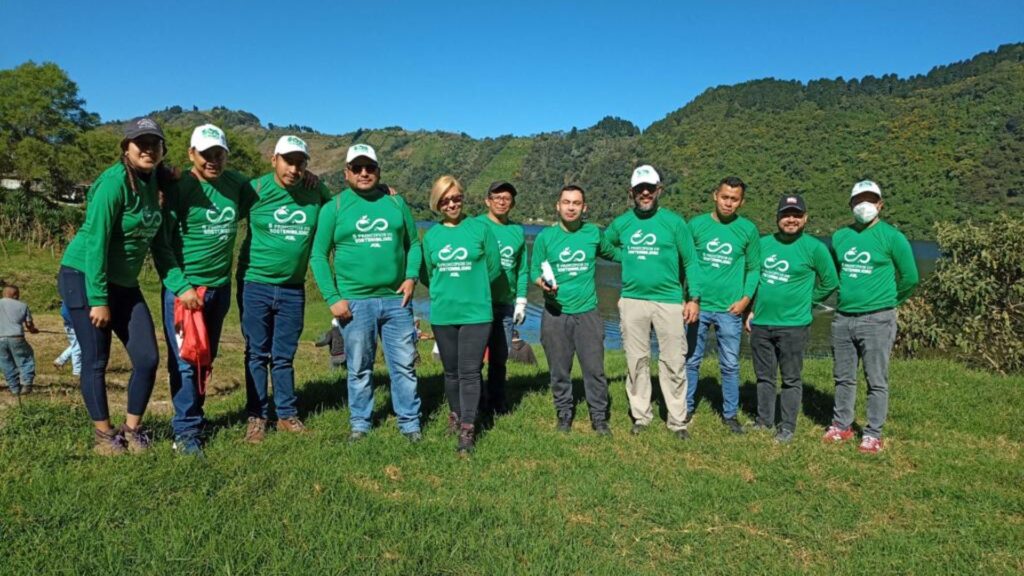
<point x="778" y="349"/>
<point x="564" y="335"/>
<point x="867" y="337"/>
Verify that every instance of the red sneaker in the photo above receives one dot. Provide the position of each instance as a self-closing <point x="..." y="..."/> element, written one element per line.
<point x="870" y="445"/>
<point x="835" y="434"/>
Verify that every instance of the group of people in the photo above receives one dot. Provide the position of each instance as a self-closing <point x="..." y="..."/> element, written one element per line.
<point x="366" y="256"/>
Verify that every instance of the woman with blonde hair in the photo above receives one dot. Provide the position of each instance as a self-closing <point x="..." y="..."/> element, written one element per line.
<point x="461" y="258"/>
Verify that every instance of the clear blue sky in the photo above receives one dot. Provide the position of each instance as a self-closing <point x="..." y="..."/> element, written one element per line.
<point x="484" y="68"/>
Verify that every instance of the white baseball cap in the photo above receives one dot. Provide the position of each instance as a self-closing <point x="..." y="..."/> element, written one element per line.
<point x="289" y="144"/>
<point x="645" y="174"/>
<point x="865" y="186"/>
<point x="357" y="150"/>
<point x="207" y="136"/>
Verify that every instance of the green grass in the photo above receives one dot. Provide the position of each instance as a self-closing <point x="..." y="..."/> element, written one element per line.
<point x="945" y="496"/>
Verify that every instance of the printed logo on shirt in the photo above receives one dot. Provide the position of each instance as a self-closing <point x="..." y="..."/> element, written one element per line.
<point x="572" y="263"/>
<point x="283" y="217"/>
<point x="215" y="216"/>
<point x="507" y="253"/>
<point x="453" y="260"/>
<point x="567" y="255"/>
<point x="856" y="263"/>
<point x="220" y="222"/>
<point x="773" y="269"/>
<point x="373" y="232"/>
<point x="717" y="253"/>
<point x="149" y="221"/>
<point x="643" y="245"/>
<point x="291" y="225"/>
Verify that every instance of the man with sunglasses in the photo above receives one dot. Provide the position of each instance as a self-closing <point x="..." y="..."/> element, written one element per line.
<point x="377" y="259"/>
<point x="658" y="257"/>
<point x="508" y="291"/>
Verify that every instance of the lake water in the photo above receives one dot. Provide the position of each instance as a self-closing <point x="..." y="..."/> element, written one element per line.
<point x="609" y="283"/>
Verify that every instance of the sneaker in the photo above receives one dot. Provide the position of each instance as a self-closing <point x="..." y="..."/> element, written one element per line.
<point x="682" y="434"/>
<point x="784" y="436"/>
<point x="108" y="443"/>
<point x="835" y="434"/>
<point x="356" y="435"/>
<point x="138" y="439"/>
<point x="564" y="422"/>
<point x="637" y="429"/>
<point x="453" y="424"/>
<point x="25" y="390"/>
<point x="188" y="446"/>
<point x="467" y="439"/>
<point x="601" y="428"/>
<point x="689" y="417"/>
<point x="760" y="426"/>
<point x="291" y="424"/>
<point x="870" y="445"/>
<point x="256" y="430"/>
<point x="15" y="391"/>
<point x="414" y="437"/>
<point x="734" y="425"/>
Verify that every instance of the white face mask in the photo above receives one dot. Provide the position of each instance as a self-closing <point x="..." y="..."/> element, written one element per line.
<point x="865" y="212"/>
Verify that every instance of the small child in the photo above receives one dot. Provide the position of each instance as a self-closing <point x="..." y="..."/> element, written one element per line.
<point x="334" y="340"/>
<point x="520" y="351"/>
<point x="73" y="352"/>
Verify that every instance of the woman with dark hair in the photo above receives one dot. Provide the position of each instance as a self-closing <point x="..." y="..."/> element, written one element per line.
<point x="98" y="281"/>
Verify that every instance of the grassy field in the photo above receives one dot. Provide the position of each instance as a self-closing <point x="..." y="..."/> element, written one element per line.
<point x="945" y="497"/>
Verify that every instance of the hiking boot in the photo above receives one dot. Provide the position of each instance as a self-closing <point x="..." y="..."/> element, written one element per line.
<point x="870" y="445"/>
<point x="291" y="424"/>
<point x="188" y="446"/>
<point x="682" y="434"/>
<point x="414" y="437"/>
<point x="453" y="424"/>
<point x="835" y="434"/>
<point x="784" y="436"/>
<point x="734" y="425"/>
<point x="138" y="439"/>
<point x="564" y="422"/>
<point x="356" y="435"/>
<point x="256" y="430"/>
<point x="601" y="428"/>
<point x="108" y="443"/>
<point x="637" y="429"/>
<point x="467" y="439"/>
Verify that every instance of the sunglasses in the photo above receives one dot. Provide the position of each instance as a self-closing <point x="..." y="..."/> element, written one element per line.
<point x="360" y="168"/>
<point x="457" y="199"/>
<point x="645" y="188"/>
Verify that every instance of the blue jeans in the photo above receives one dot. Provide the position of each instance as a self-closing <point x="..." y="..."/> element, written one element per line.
<point x="188" y="404"/>
<point x="397" y="330"/>
<point x="18" y="362"/>
<point x="498" y="346"/>
<point x="272" y="319"/>
<point x="728" y="328"/>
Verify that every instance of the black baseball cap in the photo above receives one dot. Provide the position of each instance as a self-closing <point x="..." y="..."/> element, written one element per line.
<point x="142" y="127"/>
<point x="501" y="185"/>
<point x="794" y="202"/>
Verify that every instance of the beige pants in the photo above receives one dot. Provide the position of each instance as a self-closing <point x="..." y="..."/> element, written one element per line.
<point x="637" y="317"/>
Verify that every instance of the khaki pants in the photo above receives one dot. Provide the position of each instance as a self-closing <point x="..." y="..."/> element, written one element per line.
<point x="637" y="317"/>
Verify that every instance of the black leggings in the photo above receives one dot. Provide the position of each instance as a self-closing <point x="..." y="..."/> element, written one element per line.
<point x="131" y="321"/>
<point x="462" y="355"/>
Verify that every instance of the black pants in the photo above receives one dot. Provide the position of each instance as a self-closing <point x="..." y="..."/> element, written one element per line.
<point x="582" y="335"/>
<point x="462" y="355"/>
<point x="779" y="349"/>
<point x="132" y="322"/>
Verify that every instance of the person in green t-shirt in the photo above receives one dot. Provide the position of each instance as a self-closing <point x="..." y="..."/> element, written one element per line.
<point x="657" y="259"/>
<point x="877" y="273"/>
<point x="98" y="281"/>
<point x="796" y="274"/>
<point x="272" y="266"/>
<point x="728" y="250"/>
<point x="461" y="259"/>
<point x="508" y="291"/>
<point x="377" y="257"/>
<point x="564" y="263"/>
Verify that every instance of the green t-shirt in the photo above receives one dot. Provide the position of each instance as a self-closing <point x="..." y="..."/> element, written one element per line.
<point x="202" y="223"/>
<point x="876" y="268"/>
<point x="730" y="261"/>
<point x="573" y="259"/>
<point x="120" y="228"/>
<point x="514" y="264"/>
<point x="460" y="262"/>
<point x="795" y="275"/>
<point x="656" y="249"/>
<point x="281" y="226"/>
<point x="375" y="243"/>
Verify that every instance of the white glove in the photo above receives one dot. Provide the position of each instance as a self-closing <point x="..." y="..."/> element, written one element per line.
<point x="520" y="315"/>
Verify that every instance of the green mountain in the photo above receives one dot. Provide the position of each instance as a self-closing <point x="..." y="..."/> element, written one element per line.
<point x="945" y="146"/>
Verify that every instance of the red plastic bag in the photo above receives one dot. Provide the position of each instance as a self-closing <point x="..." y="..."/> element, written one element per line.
<point x="193" y="339"/>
